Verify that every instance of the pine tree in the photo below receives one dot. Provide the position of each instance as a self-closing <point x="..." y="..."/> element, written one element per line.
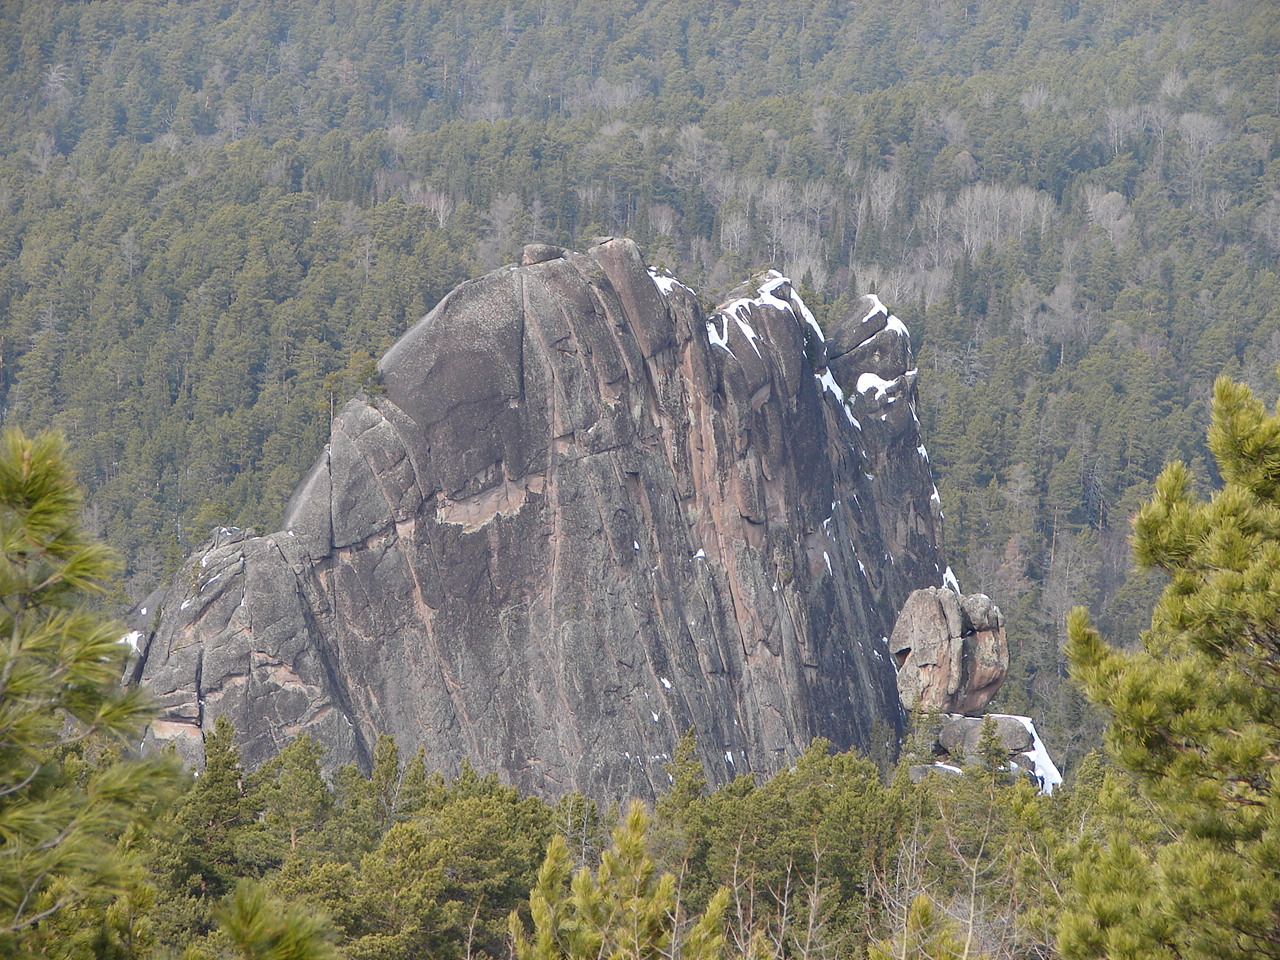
<point x="211" y="818"/>
<point x="992" y="760"/>
<point x="205" y="845"/>
<point x="929" y="934"/>
<point x="265" y="929"/>
<point x="60" y="666"/>
<point x="294" y="798"/>
<point x="680" y="837"/>
<point x="385" y="782"/>
<point x="414" y="786"/>
<point x="624" y="911"/>
<point x="1195" y="714"/>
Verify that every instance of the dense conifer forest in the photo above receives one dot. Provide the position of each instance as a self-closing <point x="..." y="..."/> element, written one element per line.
<point x="215" y="215"/>
<point x="1165" y="847"/>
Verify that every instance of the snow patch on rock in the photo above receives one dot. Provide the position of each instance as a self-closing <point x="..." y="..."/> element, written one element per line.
<point x="1046" y="770"/>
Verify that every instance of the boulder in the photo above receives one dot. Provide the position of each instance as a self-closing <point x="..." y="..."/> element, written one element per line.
<point x="950" y="651"/>
<point x="960" y="737"/>
<point x="918" y="771"/>
<point x="956" y="741"/>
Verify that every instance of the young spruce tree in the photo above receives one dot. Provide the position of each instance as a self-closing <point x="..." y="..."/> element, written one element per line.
<point x="1195" y="715"/>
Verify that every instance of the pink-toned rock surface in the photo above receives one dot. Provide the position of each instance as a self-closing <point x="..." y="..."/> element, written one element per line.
<point x="950" y="651"/>
<point x="580" y="518"/>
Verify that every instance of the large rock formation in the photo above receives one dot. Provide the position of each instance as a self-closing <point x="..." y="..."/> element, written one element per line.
<point x="580" y="518"/>
<point x="950" y="651"/>
<point x="952" y="658"/>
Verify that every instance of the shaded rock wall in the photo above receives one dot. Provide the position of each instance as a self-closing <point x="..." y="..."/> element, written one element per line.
<point x="581" y="518"/>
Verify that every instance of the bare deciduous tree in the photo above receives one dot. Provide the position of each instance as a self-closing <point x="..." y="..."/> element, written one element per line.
<point x="883" y="189"/>
<point x="1119" y="124"/>
<point x="1200" y="134"/>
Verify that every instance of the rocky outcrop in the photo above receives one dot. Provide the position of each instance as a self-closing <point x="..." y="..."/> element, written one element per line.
<point x="957" y="742"/>
<point x="950" y="651"/>
<point x="960" y="738"/>
<point x="579" y="518"/>
<point x="952" y="658"/>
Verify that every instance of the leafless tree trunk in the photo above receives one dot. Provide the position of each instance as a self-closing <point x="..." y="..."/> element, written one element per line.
<point x="1201" y="133"/>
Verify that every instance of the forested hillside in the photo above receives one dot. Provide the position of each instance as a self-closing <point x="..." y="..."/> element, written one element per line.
<point x="1166" y="849"/>
<point x="214" y="214"/>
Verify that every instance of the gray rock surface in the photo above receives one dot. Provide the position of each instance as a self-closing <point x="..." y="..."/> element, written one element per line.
<point x="579" y="519"/>
<point x="954" y="742"/>
<point x="950" y="650"/>
<point x="960" y="737"/>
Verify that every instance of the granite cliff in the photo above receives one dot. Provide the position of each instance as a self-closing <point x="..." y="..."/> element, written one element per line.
<point x="578" y="518"/>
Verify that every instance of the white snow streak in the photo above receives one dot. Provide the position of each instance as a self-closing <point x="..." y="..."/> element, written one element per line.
<point x="876" y="307"/>
<point x="949" y="580"/>
<point x="719" y="338"/>
<point x="870" y="381"/>
<point x="666" y="285"/>
<point x="749" y="332"/>
<point x="898" y="327"/>
<point x="1046" y="769"/>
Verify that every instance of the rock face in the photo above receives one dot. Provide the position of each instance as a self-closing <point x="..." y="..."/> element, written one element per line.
<point x="950" y="651"/>
<point x="579" y="519"/>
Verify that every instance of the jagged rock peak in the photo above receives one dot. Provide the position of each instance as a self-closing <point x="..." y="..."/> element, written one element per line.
<point x="580" y="518"/>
